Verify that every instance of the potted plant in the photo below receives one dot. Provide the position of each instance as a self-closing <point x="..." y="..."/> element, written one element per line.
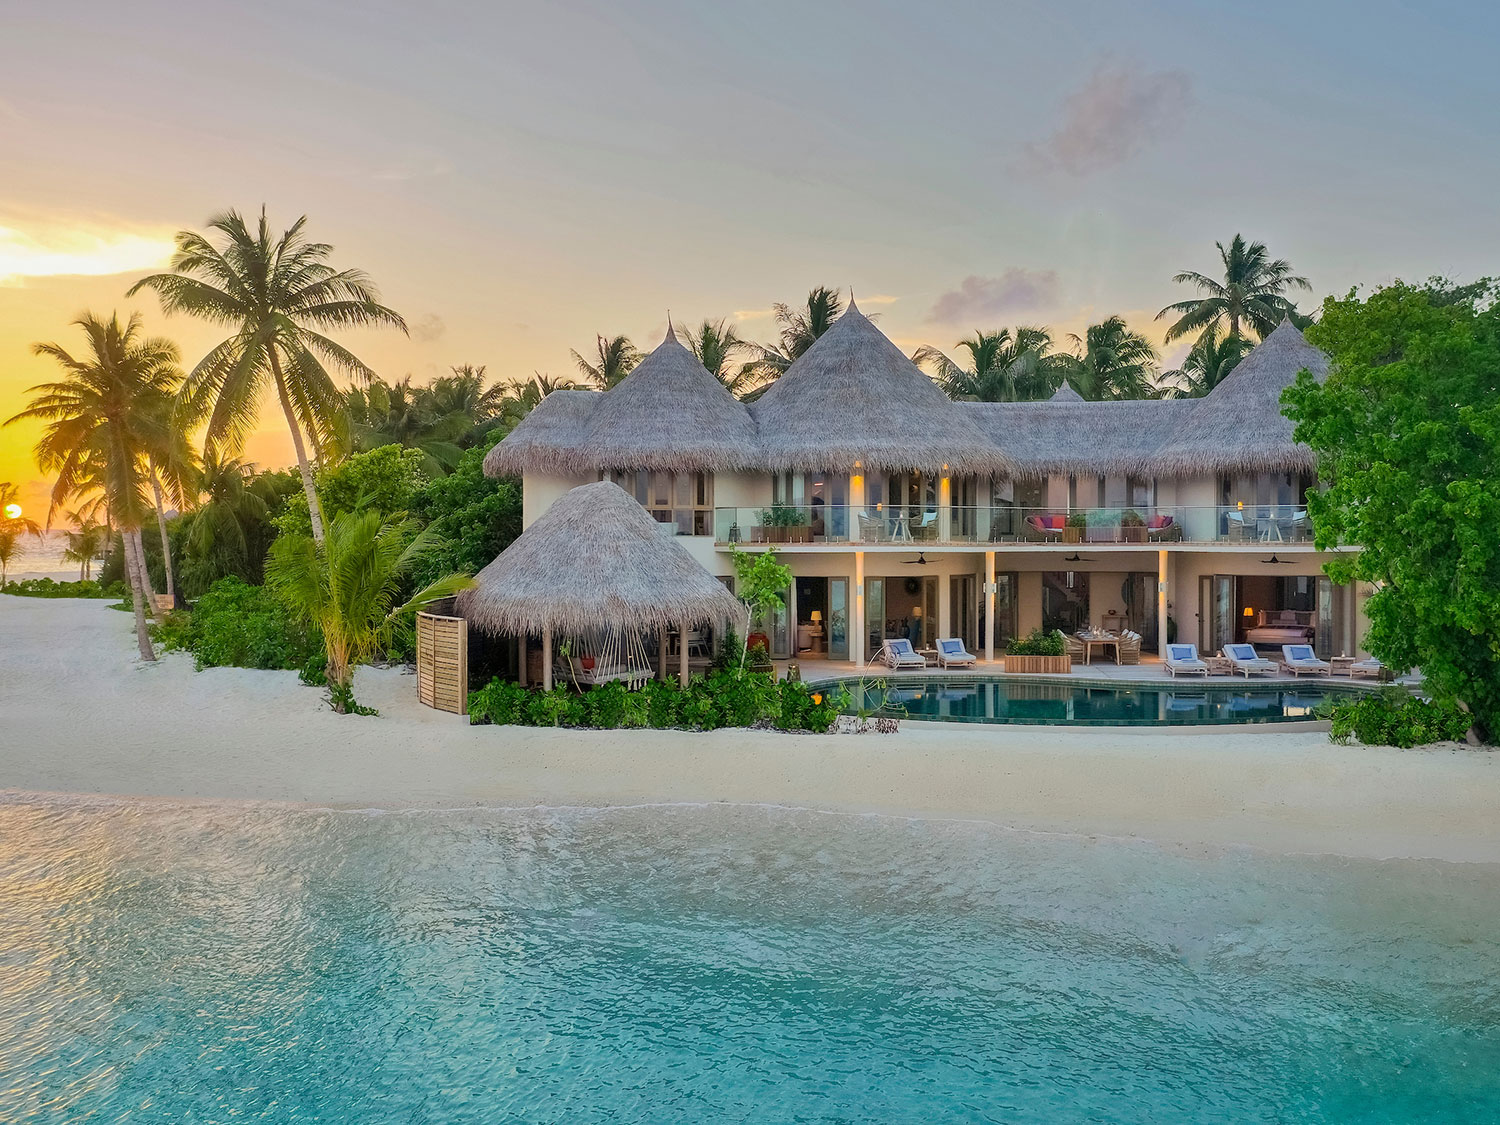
<point x="1039" y="652"/>
<point x="1072" y="531"/>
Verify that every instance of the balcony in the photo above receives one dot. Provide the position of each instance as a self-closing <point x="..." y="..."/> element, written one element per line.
<point x="790" y="525"/>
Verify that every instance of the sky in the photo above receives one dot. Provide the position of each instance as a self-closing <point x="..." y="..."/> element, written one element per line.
<point x="519" y="177"/>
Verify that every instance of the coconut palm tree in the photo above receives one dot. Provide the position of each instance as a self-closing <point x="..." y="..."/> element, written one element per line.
<point x="464" y="394"/>
<point x="86" y="542"/>
<point x="401" y="414"/>
<point x="1208" y="364"/>
<point x="800" y="327"/>
<point x="1112" y="362"/>
<point x="616" y="358"/>
<point x="106" y="417"/>
<point x="738" y="364"/>
<point x="520" y="399"/>
<point x="1250" y="299"/>
<point x="348" y="584"/>
<point x="228" y="532"/>
<point x="280" y="296"/>
<point x="1004" y="366"/>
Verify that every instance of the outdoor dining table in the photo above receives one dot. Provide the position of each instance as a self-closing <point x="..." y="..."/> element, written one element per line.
<point x="901" y="527"/>
<point x="1103" y="639"/>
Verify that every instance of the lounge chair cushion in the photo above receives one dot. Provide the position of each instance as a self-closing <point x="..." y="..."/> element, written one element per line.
<point x="1182" y="653"/>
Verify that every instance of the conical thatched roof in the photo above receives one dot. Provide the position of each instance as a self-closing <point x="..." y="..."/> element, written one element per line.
<point x="1238" y="426"/>
<point x="546" y="441"/>
<point x="669" y="413"/>
<point x="853" y="397"/>
<point x="596" y="559"/>
<point x="1066" y="393"/>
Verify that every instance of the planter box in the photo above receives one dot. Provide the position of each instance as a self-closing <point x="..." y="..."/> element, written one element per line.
<point x="1055" y="665"/>
<point x="1072" y="535"/>
<point x="1133" y="534"/>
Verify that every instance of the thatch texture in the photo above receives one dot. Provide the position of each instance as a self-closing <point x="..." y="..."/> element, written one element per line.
<point x="593" y="560"/>
<point x="854" y="397"/>
<point x="1066" y="393"/>
<point x="547" y="439"/>
<point x="1238" y="426"/>
<point x="1077" y="436"/>
<point x="669" y="413"/>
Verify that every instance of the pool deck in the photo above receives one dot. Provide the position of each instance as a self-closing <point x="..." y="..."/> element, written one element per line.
<point x="1149" y="670"/>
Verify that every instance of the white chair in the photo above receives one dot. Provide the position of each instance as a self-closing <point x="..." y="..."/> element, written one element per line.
<point x="1300" y="659"/>
<point x="952" y="654"/>
<point x="898" y="653"/>
<point x="1371" y="667"/>
<point x="1243" y="658"/>
<point x="1184" y="659"/>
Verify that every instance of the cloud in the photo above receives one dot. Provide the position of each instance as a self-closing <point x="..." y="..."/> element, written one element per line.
<point x="1117" y="113"/>
<point x="74" y="249"/>
<point x="428" y="328"/>
<point x="987" y="298"/>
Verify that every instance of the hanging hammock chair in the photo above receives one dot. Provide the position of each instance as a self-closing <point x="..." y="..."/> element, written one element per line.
<point x="601" y="657"/>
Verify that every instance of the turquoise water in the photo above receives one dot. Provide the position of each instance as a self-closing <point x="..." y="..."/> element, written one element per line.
<point x="224" y="963"/>
<point x="1027" y="699"/>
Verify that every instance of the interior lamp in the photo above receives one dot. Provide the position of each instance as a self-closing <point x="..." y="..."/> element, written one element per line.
<point x="1249" y="612"/>
<point x="817" y="616"/>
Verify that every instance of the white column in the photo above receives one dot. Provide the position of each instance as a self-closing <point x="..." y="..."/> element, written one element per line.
<point x="989" y="605"/>
<point x="1161" y="601"/>
<point x="547" y="658"/>
<point x="945" y="606"/>
<point x="682" y="654"/>
<point x="857" y="627"/>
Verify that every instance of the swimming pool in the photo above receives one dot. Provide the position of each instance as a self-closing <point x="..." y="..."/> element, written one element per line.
<point x="1030" y="699"/>
<point x="216" y="963"/>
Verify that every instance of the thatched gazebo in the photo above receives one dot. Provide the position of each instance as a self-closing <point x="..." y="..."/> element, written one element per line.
<point x="1238" y="426"/>
<point x="854" y="398"/>
<point x="595" y="563"/>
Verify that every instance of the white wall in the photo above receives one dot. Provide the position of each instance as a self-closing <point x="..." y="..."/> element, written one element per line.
<point x="540" y="491"/>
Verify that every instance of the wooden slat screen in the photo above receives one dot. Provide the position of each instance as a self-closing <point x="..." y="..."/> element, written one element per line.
<point x="443" y="662"/>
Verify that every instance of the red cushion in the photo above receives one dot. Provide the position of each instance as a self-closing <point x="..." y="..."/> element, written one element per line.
<point x="1054" y="523"/>
<point x="1159" y="522"/>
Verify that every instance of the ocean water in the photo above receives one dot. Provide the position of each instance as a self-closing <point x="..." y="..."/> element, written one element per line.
<point x="223" y="963"/>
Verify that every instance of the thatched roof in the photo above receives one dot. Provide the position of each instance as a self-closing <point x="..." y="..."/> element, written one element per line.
<point x="1238" y="426"/>
<point x="854" y="397"/>
<point x="1077" y="436"/>
<point x="669" y="413"/>
<point x="546" y="441"/>
<point x="1066" y="393"/>
<point x="596" y="559"/>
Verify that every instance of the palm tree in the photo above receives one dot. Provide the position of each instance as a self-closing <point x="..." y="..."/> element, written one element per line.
<point x="227" y="532"/>
<point x="280" y="295"/>
<point x="1208" y="364"/>
<point x="1113" y="362"/>
<point x="1252" y="294"/>
<point x="400" y="414"/>
<point x="738" y="364"/>
<point x="106" y="417"/>
<point x="85" y="543"/>
<point x="1005" y="366"/>
<point x="801" y="327"/>
<point x="520" y="399"/>
<point x="12" y="527"/>
<point x="616" y="358"/>
<point x="464" y="394"/>
<point x="348" y="584"/>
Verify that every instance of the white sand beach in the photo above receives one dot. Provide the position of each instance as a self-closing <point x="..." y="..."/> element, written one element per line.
<point x="79" y="714"/>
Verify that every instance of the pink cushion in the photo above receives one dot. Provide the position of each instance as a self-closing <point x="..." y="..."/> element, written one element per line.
<point x="1159" y="522"/>
<point x="1054" y="523"/>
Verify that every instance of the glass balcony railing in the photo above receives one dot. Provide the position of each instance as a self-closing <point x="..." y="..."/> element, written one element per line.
<point x="894" y="524"/>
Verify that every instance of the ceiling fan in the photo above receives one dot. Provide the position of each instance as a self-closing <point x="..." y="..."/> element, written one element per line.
<point x="1076" y="557"/>
<point x="920" y="560"/>
<point x="1278" y="562"/>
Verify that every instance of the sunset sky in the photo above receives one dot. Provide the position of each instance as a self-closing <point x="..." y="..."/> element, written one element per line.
<point x="519" y="177"/>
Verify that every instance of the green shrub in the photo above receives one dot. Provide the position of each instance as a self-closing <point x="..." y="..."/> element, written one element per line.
<point x="722" y="699"/>
<point x="1395" y="718"/>
<point x="236" y="625"/>
<point x="1038" y="643"/>
<point x="47" y="588"/>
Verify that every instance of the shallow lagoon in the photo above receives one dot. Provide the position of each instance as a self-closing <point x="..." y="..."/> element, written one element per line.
<point x="218" y="962"/>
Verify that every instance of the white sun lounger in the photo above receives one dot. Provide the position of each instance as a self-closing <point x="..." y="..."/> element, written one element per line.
<point x="951" y="653"/>
<point x="1298" y="659"/>
<point x="1370" y="667"/>
<point x="898" y="653"/>
<point x="1243" y="658"/>
<point x="1183" y="659"/>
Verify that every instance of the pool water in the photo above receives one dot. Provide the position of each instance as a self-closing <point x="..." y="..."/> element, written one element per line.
<point x="217" y="963"/>
<point x="1028" y="699"/>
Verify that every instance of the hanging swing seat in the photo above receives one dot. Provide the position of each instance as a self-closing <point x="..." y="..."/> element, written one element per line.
<point x="604" y="659"/>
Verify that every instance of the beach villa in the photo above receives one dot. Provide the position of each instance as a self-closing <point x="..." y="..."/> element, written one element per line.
<point x="906" y="515"/>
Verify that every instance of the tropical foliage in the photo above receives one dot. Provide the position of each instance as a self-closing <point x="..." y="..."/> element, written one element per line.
<point x="1113" y="362"/>
<point x="231" y="528"/>
<point x="237" y="625"/>
<point x="615" y="357"/>
<point x="1003" y="366"/>
<point x="384" y="480"/>
<point x="1407" y="431"/>
<point x="281" y="297"/>
<point x="1250" y="298"/>
<point x="1207" y="365"/>
<point x="474" y="516"/>
<point x="1395" y="717"/>
<point x="347" y="588"/>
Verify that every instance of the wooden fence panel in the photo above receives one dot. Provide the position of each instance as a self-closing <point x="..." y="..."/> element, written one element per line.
<point x="443" y="662"/>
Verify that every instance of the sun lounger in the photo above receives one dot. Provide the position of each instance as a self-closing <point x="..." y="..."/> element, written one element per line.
<point x="898" y="653"/>
<point x="951" y="653"/>
<point x="1300" y="659"/>
<point x="1183" y="659"/>
<point x="1243" y="658"/>
<point x="1371" y="667"/>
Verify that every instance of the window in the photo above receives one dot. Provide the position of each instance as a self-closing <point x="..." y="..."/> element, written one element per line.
<point x="685" y="500"/>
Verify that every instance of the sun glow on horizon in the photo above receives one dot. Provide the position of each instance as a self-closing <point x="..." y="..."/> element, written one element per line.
<point x="77" y="250"/>
<point x="12" y="511"/>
